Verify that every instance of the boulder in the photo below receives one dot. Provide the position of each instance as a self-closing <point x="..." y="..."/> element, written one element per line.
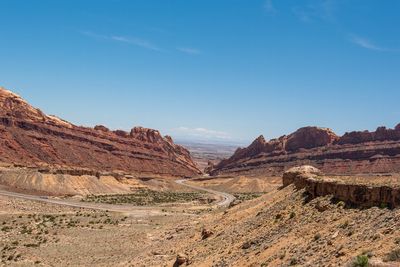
<point x="101" y="128"/>
<point x="146" y="134"/>
<point x="181" y="259"/>
<point x="206" y="233"/>
<point x="121" y="133"/>
<point x="168" y="139"/>
<point x="290" y="176"/>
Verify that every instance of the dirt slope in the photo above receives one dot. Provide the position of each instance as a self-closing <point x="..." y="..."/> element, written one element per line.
<point x="287" y="228"/>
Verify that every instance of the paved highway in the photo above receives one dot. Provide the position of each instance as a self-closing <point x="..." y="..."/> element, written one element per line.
<point x="226" y="198"/>
<point x="135" y="211"/>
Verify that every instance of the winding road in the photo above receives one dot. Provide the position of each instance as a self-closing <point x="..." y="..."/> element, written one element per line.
<point x="226" y="199"/>
<point x="136" y="211"/>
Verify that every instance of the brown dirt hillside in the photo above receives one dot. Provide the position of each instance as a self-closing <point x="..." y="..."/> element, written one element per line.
<point x="59" y="184"/>
<point x="284" y="228"/>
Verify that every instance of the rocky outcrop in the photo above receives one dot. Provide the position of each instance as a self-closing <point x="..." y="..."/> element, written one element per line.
<point x="206" y="233"/>
<point x="310" y="137"/>
<point x="352" y="153"/>
<point x="294" y="174"/>
<point x="101" y="128"/>
<point x="381" y="134"/>
<point x="363" y="195"/>
<point x="31" y="138"/>
<point x="181" y="259"/>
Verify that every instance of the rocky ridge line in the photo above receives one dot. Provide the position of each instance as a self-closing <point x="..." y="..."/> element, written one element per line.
<point x="352" y="153"/>
<point x="33" y="139"/>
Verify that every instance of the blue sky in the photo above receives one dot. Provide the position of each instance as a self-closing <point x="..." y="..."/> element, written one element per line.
<point x="210" y="69"/>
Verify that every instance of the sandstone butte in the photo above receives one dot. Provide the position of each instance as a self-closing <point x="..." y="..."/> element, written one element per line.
<point x="356" y="152"/>
<point x="30" y="138"/>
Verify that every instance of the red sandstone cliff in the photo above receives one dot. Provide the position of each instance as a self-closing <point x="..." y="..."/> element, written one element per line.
<point x="354" y="152"/>
<point x="31" y="138"/>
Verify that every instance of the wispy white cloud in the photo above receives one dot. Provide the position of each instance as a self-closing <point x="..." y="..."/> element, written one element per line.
<point x="123" y="39"/>
<point x="189" y="50"/>
<point x="202" y="133"/>
<point x="93" y="35"/>
<point x="316" y="10"/>
<point x="302" y="14"/>
<point x="366" y="43"/>
<point x="136" y="41"/>
<point x="269" y="7"/>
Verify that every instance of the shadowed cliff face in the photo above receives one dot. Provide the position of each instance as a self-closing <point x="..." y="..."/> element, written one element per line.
<point x="354" y="152"/>
<point x="31" y="138"/>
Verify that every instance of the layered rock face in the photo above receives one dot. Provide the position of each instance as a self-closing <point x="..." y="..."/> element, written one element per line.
<point x="364" y="195"/>
<point x="31" y="138"/>
<point x="352" y="153"/>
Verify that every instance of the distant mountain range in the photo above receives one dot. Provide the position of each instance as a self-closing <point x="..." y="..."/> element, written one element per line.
<point x="353" y="153"/>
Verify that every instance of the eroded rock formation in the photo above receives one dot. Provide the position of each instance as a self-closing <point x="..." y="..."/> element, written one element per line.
<point x="31" y="138"/>
<point x="363" y="195"/>
<point x="352" y="153"/>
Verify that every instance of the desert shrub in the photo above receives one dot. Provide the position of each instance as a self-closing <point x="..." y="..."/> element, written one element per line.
<point x="247" y="196"/>
<point x="293" y="262"/>
<point x="6" y="229"/>
<point x="31" y="245"/>
<point x="383" y="205"/>
<point x="292" y="215"/>
<point x="344" y="225"/>
<point x="317" y="236"/>
<point x="360" y="261"/>
<point x="394" y="255"/>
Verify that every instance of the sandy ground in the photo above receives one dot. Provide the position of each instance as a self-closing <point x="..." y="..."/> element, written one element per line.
<point x="243" y="184"/>
<point x="63" y="236"/>
<point x="282" y="227"/>
<point x="50" y="231"/>
<point x="387" y="179"/>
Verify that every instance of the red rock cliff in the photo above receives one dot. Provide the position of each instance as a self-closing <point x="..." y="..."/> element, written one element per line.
<point x="31" y="138"/>
<point x="355" y="152"/>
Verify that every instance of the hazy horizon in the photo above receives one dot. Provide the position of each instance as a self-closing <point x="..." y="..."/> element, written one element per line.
<point x="225" y="71"/>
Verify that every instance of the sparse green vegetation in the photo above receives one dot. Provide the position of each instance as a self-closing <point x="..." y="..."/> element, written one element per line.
<point x="34" y="230"/>
<point x="145" y="197"/>
<point x="383" y="206"/>
<point x="247" y="196"/>
<point x="360" y="261"/>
